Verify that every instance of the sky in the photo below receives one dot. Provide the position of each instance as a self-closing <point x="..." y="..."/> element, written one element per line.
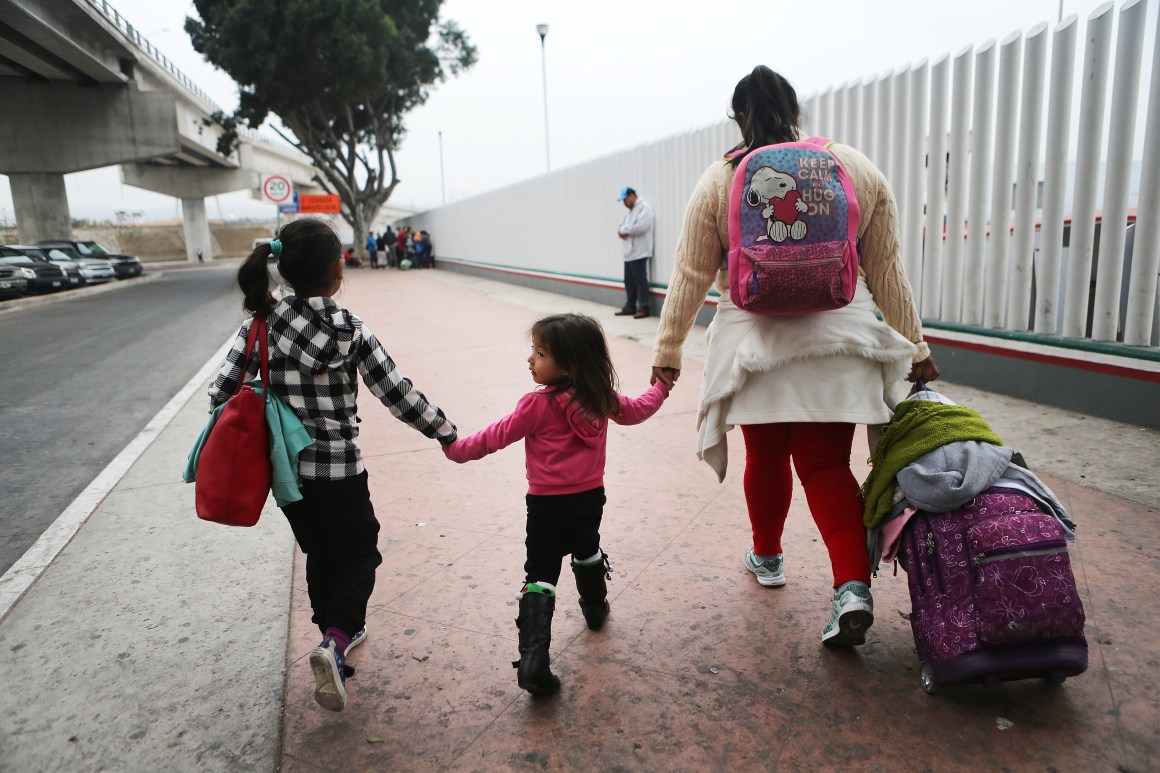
<point x="618" y="74"/>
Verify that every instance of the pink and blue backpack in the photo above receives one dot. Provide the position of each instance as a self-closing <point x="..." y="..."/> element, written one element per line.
<point x="793" y="230"/>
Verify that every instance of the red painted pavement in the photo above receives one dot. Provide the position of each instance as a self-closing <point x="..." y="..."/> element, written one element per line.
<point x="698" y="668"/>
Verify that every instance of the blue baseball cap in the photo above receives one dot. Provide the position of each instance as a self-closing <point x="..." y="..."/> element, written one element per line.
<point x="625" y="192"/>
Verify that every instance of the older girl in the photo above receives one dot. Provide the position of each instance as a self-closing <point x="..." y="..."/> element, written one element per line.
<point x="316" y="348"/>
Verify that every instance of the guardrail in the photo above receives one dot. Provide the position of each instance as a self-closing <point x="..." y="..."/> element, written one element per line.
<point x="997" y="165"/>
<point x="142" y="44"/>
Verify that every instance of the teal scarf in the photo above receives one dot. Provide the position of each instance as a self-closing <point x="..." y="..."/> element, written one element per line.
<point x="288" y="438"/>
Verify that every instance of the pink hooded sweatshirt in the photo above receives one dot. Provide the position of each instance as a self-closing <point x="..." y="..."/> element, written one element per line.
<point x="565" y="448"/>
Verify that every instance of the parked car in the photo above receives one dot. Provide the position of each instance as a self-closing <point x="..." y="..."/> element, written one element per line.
<point x="13" y="281"/>
<point x="124" y="266"/>
<point x="93" y="270"/>
<point x="42" y="275"/>
<point x="71" y="268"/>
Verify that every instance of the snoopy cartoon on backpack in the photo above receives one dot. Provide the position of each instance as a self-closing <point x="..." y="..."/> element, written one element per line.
<point x="793" y="230"/>
<point x="784" y="205"/>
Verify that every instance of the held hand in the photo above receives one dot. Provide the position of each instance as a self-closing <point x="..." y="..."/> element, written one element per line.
<point x="925" y="370"/>
<point x="667" y="376"/>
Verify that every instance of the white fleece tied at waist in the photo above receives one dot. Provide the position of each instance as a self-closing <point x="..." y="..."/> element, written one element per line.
<point x="743" y="344"/>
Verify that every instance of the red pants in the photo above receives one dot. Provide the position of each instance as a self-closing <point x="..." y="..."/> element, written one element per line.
<point x="821" y="456"/>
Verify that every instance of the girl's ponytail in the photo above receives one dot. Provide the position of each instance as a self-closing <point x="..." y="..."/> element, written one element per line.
<point x="254" y="279"/>
<point x="306" y="251"/>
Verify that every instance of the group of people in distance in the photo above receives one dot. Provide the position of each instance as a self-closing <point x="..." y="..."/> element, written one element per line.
<point x="404" y="249"/>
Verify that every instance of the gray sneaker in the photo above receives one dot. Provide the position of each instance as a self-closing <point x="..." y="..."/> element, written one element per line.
<point x="852" y="612"/>
<point x="769" y="573"/>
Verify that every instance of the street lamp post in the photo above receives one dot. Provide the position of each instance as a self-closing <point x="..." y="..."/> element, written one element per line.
<point x="543" y="30"/>
<point x="442" y="183"/>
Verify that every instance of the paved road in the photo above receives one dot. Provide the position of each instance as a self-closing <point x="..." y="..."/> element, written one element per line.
<point x="81" y="378"/>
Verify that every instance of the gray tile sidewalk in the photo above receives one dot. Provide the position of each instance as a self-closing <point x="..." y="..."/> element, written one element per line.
<point x="154" y="641"/>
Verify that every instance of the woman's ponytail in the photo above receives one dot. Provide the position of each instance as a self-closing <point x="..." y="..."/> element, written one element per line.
<point x="766" y="110"/>
<point x="254" y="279"/>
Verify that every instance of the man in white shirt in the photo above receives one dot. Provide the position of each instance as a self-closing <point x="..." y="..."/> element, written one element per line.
<point x="636" y="231"/>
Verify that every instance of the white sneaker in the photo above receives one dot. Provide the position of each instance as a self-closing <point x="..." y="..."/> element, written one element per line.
<point x="851" y="614"/>
<point x="769" y="573"/>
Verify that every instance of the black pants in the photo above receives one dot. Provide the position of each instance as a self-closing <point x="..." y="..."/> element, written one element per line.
<point x="636" y="284"/>
<point x="336" y="528"/>
<point x="559" y="525"/>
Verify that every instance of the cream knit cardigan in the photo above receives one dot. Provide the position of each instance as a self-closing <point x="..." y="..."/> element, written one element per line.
<point x="704" y="244"/>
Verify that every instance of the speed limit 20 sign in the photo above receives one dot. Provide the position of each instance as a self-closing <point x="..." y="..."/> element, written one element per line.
<point x="276" y="188"/>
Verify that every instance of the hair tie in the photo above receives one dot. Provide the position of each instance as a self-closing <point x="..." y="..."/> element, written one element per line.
<point x="276" y="248"/>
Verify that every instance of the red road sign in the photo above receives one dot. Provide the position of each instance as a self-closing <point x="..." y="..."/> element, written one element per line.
<point x="277" y="188"/>
<point x="325" y="204"/>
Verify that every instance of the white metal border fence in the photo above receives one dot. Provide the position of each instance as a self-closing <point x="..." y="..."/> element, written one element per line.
<point x="998" y="115"/>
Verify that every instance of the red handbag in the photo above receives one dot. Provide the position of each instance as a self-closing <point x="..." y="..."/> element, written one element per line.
<point x="234" y="470"/>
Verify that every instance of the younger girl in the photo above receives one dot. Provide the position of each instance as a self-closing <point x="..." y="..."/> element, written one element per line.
<point x="565" y="424"/>
<point x="315" y="349"/>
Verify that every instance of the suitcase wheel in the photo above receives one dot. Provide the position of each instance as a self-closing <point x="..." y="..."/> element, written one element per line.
<point x="1057" y="676"/>
<point x="926" y="679"/>
<point x="991" y="680"/>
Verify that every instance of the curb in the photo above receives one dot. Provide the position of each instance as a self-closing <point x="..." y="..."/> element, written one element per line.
<point x="185" y="265"/>
<point x="80" y="292"/>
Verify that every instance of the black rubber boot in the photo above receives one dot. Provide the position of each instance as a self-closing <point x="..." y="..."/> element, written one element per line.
<point x="535" y="623"/>
<point x="590" y="582"/>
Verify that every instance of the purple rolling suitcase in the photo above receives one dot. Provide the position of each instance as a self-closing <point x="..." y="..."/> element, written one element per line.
<point x="993" y="595"/>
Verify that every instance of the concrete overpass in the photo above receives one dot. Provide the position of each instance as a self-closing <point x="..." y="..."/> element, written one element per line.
<point x="83" y="89"/>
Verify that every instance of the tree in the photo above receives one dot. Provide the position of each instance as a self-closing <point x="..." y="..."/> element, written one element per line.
<point x="340" y="74"/>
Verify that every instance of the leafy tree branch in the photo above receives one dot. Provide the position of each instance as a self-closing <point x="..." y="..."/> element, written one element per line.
<point x="340" y="74"/>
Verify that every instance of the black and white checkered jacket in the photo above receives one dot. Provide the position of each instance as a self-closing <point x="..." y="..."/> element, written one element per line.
<point x="315" y="348"/>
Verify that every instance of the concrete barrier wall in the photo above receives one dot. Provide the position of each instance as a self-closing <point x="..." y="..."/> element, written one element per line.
<point x="1029" y="303"/>
<point x="1020" y="219"/>
<point x="565" y="222"/>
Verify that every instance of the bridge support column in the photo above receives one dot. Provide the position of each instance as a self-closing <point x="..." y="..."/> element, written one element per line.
<point x="41" y="205"/>
<point x="197" y="235"/>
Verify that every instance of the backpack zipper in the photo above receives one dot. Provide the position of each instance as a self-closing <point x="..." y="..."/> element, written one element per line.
<point x="921" y="550"/>
<point x="1021" y="551"/>
<point x="796" y="263"/>
<point x="917" y="557"/>
<point x="931" y="547"/>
